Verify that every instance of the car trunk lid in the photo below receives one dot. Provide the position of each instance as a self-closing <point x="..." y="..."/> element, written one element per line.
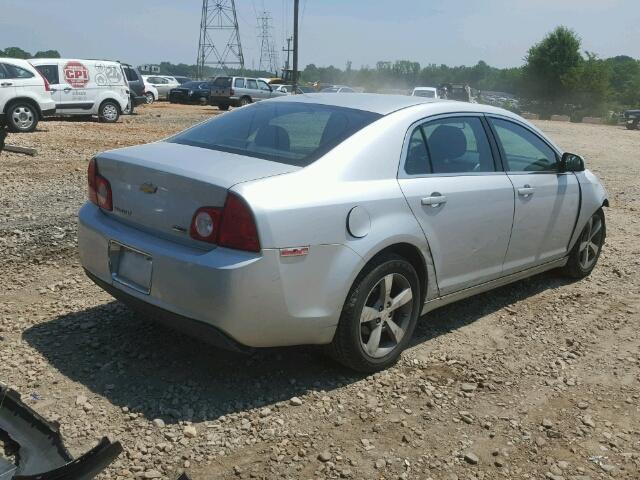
<point x="158" y="187"/>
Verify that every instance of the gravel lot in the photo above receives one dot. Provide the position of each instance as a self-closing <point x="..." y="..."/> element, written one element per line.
<point x="540" y="379"/>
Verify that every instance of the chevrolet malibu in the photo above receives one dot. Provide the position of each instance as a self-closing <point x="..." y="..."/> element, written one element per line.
<point x="335" y="220"/>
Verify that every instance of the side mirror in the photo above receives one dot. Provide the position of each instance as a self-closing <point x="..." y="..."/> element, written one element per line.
<point x="570" y="162"/>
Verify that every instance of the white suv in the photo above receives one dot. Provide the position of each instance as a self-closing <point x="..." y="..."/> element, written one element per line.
<point x="25" y="95"/>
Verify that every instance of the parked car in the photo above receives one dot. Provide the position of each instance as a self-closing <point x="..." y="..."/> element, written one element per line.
<point x="136" y="88"/>
<point x="182" y="80"/>
<point x="25" y="95"/>
<point x="240" y="91"/>
<point x="288" y="89"/>
<point x="150" y="92"/>
<point x="632" y="119"/>
<point x="426" y="92"/>
<point x="191" y="93"/>
<point x="85" y="87"/>
<point x="338" y="89"/>
<point x="163" y="84"/>
<point x="337" y="220"/>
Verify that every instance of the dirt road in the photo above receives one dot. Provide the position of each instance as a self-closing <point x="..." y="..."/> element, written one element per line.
<point x="540" y="379"/>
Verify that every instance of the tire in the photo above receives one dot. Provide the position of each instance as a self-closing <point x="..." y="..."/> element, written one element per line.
<point x="203" y="101"/>
<point x="245" y="101"/>
<point x="109" y="111"/>
<point x="223" y="107"/>
<point x="364" y="340"/>
<point x="150" y="98"/>
<point x="591" y="240"/>
<point x="22" y="117"/>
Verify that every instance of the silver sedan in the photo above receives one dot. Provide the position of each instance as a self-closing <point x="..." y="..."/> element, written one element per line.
<point x="335" y="220"/>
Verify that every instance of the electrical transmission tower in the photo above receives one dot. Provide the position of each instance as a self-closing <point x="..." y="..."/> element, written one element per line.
<point x="219" y="44"/>
<point x="268" y="55"/>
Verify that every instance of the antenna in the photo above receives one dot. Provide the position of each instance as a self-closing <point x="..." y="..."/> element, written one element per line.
<point x="219" y="44"/>
<point x="268" y="57"/>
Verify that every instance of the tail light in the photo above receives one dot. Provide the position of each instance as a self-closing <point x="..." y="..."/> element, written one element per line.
<point x="232" y="226"/>
<point x="47" y="86"/>
<point x="99" y="187"/>
<point x="231" y="92"/>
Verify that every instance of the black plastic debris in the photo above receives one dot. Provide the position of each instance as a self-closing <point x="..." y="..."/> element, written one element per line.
<point x="37" y="448"/>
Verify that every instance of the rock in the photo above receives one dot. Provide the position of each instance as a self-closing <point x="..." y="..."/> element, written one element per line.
<point x="190" y="431"/>
<point x="324" y="456"/>
<point x="499" y="462"/>
<point x="158" y="422"/>
<point x="546" y="423"/>
<point x="553" y="476"/>
<point x="588" y="421"/>
<point x="295" y="401"/>
<point x="380" y="463"/>
<point x="468" y="387"/>
<point x="81" y="400"/>
<point x="562" y="465"/>
<point x="471" y="458"/>
<point x="152" y="474"/>
<point x="583" y="405"/>
<point x="540" y="441"/>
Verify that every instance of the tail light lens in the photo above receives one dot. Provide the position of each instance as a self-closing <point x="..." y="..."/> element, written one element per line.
<point x="99" y="187"/>
<point x="47" y="87"/>
<point x="231" y="92"/>
<point x="232" y="227"/>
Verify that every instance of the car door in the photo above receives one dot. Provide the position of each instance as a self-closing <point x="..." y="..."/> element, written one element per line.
<point x="546" y="201"/>
<point x="78" y="89"/>
<point x="52" y="74"/>
<point x="264" y="90"/>
<point x="7" y="89"/>
<point x="251" y="89"/>
<point x="460" y="196"/>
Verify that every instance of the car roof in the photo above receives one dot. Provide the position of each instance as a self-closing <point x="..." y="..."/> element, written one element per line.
<point x="385" y="104"/>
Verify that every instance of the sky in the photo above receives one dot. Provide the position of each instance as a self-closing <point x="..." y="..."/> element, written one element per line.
<point x="332" y="32"/>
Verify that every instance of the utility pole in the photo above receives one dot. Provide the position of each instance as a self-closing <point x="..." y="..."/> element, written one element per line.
<point x="295" y="46"/>
<point x="288" y="50"/>
<point x="219" y="43"/>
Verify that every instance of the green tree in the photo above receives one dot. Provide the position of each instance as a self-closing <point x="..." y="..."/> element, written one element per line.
<point x="47" y="54"/>
<point x="550" y="65"/>
<point x="16" y="52"/>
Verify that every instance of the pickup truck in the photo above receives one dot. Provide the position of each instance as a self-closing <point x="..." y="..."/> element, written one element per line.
<point x="632" y="119"/>
<point x="240" y="91"/>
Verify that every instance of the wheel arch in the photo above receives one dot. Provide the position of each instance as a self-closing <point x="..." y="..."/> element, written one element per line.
<point x="34" y="103"/>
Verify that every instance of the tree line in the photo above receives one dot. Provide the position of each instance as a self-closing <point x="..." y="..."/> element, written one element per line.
<point x="557" y="77"/>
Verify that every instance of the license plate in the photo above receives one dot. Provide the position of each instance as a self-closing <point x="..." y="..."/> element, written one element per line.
<point x="130" y="267"/>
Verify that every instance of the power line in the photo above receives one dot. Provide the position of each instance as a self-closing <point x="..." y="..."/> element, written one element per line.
<point x="268" y="56"/>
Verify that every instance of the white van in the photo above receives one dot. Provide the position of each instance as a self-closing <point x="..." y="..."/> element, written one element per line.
<point x="86" y="87"/>
<point x="427" y="92"/>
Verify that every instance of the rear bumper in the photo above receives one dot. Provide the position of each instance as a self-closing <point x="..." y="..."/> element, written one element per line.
<point x="257" y="300"/>
<point x="231" y="101"/>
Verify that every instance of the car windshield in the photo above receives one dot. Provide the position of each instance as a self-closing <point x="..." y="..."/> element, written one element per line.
<point x="425" y="93"/>
<point x="287" y="132"/>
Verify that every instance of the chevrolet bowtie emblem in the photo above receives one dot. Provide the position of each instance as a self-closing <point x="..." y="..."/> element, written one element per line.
<point x="148" y="188"/>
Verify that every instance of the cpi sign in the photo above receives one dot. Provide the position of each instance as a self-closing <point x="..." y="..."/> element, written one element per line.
<point x="76" y="74"/>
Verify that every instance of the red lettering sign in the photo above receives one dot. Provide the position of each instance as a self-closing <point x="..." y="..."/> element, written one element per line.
<point x="76" y="74"/>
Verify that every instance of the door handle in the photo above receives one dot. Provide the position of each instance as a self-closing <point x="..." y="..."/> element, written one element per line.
<point x="67" y="90"/>
<point x="526" y="191"/>
<point x="54" y="90"/>
<point x="434" y="200"/>
<point x="6" y="84"/>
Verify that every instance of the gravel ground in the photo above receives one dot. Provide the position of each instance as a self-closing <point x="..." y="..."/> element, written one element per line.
<point x="540" y="379"/>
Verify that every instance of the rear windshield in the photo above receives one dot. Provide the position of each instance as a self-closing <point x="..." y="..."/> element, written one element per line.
<point x="286" y="132"/>
<point x="222" y="82"/>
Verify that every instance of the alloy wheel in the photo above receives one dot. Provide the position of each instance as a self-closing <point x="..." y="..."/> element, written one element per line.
<point x="150" y="98"/>
<point x="110" y="112"/>
<point x="386" y="315"/>
<point x="590" y="242"/>
<point x="23" y="117"/>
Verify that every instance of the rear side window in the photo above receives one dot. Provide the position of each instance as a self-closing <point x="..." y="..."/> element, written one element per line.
<point x="131" y="74"/>
<point x="524" y="151"/>
<point x="17" y="72"/>
<point x="50" y="72"/>
<point x="238" y="83"/>
<point x="252" y="84"/>
<point x="453" y="145"/>
<point x="286" y="132"/>
<point x="222" y="82"/>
